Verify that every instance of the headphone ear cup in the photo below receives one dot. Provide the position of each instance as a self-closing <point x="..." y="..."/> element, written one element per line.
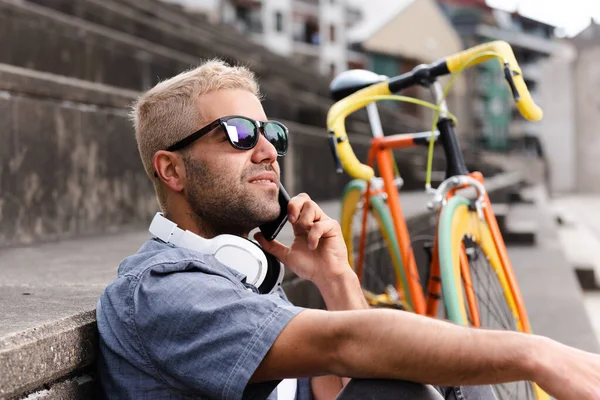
<point x="275" y="272"/>
<point x="274" y="275"/>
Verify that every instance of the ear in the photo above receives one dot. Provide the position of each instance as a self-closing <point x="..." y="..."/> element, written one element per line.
<point x="170" y="169"/>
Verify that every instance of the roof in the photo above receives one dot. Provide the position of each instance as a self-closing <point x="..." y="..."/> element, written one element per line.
<point x="589" y="37"/>
<point x="418" y="30"/>
<point x="373" y="18"/>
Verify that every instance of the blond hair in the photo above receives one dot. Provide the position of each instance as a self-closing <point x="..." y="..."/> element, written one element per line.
<point x="167" y="113"/>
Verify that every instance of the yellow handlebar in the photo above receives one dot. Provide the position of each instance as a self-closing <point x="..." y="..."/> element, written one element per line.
<point x="336" y="123"/>
<point x="526" y="105"/>
<point x="336" y="117"/>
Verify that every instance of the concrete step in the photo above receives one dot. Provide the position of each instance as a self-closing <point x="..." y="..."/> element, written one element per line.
<point x="579" y="231"/>
<point x="516" y="223"/>
<point x="554" y="299"/>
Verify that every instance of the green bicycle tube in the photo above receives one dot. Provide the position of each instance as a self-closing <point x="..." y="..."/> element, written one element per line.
<point x="384" y="218"/>
<point x="450" y="287"/>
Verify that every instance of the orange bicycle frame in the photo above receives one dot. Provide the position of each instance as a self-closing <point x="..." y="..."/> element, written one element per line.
<point x="380" y="153"/>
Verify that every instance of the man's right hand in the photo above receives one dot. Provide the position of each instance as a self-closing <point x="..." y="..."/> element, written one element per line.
<point x="565" y="372"/>
<point x="318" y="252"/>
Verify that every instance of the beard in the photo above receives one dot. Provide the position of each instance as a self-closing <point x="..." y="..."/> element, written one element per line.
<point x="223" y="203"/>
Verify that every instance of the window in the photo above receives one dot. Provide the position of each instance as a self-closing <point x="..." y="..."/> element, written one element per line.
<point x="332" y="33"/>
<point x="278" y="21"/>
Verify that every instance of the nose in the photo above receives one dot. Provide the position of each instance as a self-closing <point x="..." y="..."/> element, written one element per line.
<point x="264" y="150"/>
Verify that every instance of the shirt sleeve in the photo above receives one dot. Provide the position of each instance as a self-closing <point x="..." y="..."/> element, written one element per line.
<point x="204" y="333"/>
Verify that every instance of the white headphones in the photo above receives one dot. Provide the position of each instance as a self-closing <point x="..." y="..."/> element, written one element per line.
<point x="262" y="270"/>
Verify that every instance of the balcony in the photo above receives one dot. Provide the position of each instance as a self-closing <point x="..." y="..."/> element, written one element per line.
<point x="248" y="26"/>
<point x="518" y="39"/>
<point x="531" y="72"/>
<point x="520" y="128"/>
<point x="357" y="58"/>
<point x="305" y="49"/>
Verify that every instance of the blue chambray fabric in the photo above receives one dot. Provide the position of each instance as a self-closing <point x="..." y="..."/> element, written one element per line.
<point x="177" y="324"/>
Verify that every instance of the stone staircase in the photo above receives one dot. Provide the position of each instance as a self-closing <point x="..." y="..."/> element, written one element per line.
<point x="132" y="44"/>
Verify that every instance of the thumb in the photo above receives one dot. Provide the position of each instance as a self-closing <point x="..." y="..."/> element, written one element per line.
<point x="275" y="248"/>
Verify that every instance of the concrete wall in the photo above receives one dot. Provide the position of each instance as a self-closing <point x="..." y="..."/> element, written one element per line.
<point x="69" y="163"/>
<point x="557" y="128"/>
<point x="587" y="82"/>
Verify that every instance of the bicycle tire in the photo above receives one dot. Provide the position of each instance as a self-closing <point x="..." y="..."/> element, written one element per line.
<point x="460" y="230"/>
<point x="377" y="272"/>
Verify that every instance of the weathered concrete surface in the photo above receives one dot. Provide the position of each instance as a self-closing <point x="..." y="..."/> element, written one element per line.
<point x="43" y="85"/>
<point x="68" y="166"/>
<point x="41" y="355"/>
<point x="587" y="78"/>
<point x="82" y="386"/>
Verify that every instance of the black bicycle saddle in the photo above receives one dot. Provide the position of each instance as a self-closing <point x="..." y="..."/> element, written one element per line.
<point x="351" y="81"/>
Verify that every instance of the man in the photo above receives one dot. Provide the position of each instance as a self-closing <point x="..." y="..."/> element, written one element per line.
<point x="180" y="324"/>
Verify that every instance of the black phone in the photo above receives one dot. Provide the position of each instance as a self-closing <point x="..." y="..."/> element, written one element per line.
<point x="270" y="230"/>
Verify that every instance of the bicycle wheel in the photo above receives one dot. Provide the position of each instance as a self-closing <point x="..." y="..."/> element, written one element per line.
<point x="474" y="283"/>
<point x="382" y="274"/>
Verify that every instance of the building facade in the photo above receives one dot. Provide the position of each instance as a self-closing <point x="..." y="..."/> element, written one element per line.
<point x="498" y="125"/>
<point x="312" y="32"/>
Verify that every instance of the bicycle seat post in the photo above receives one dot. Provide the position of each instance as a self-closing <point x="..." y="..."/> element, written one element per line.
<point x="374" y="120"/>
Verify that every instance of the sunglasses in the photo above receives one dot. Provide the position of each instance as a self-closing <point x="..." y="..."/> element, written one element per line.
<point x="243" y="133"/>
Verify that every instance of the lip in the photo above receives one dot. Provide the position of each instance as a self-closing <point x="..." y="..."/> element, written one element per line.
<point x="266" y="176"/>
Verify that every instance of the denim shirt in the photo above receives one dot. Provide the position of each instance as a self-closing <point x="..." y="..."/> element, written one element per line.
<point x="177" y="324"/>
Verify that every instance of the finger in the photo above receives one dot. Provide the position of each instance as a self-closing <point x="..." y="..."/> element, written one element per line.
<point x="309" y="214"/>
<point x="274" y="247"/>
<point x="295" y="206"/>
<point x="322" y="230"/>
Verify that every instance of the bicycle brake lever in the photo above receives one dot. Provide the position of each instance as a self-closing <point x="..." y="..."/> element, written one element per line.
<point x="508" y="74"/>
<point x="336" y="158"/>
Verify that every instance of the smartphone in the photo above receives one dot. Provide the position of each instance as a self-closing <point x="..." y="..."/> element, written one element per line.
<point x="270" y="230"/>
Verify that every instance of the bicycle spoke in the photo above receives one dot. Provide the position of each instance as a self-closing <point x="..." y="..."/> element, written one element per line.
<point x="494" y="312"/>
<point x="493" y="292"/>
<point x="378" y="269"/>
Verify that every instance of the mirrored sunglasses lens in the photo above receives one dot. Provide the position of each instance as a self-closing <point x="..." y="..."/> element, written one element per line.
<point x="277" y="135"/>
<point x="241" y="132"/>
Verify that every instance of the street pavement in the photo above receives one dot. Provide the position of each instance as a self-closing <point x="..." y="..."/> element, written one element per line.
<point x="579" y="236"/>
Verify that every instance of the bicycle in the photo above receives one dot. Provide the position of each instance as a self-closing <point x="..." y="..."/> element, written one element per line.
<point x="469" y="268"/>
